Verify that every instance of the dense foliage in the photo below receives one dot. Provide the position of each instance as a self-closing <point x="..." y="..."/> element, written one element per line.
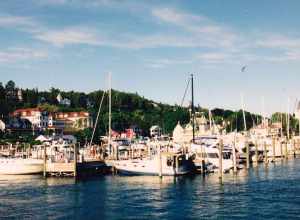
<point x="128" y="109"/>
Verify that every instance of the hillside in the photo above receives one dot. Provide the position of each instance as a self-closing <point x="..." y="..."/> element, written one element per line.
<point x="127" y="108"/>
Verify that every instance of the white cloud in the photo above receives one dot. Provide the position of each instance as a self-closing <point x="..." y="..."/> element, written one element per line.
<point x="15" y="21"/>
<point x="161" y="63"/>
<point x="68" y="36"/>
<point x="214" y="57"/>
<point x="279" y="42"/>
<point x="13" y="55"/>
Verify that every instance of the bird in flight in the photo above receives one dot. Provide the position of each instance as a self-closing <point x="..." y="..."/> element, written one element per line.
<point x="243" y="68"/>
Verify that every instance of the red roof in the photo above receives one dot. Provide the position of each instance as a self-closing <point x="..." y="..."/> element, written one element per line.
<point x="27" y="110"/>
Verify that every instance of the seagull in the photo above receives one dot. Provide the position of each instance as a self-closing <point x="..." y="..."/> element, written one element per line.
<point x="243" y="68"/>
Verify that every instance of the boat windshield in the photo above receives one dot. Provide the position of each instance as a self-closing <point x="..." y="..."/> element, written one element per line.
<point x="226" y="155"/>
<point x="212" y="155"/>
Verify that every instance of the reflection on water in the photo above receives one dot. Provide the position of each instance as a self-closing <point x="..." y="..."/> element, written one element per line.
<point x="271" y="191"/>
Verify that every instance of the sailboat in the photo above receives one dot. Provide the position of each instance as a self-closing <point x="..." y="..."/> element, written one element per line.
<point x="157" y="163"/>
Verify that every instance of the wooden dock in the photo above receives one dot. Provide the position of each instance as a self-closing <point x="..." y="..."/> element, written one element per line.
<point x="79" y="169"/>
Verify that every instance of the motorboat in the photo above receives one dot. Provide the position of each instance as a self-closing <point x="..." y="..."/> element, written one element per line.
<point x="164" y="164"/>
<point x="20" y="166"/>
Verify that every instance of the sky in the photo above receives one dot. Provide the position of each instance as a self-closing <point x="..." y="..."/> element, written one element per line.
<point x="151" y="47"/>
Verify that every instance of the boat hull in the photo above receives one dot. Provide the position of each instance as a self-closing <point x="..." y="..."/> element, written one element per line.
<point x="20" y="166"/>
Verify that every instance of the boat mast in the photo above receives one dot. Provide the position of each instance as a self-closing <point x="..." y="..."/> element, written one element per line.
<point x="193" y="107"/>
<point x="109" y="114"/>
<point x="288" y="119"/>
<point x="243" y="109"/>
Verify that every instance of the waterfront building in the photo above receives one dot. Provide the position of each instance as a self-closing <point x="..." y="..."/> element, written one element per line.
<point x="265" y="129"/>
<point x="184" y="134"/>
<point x="71" y="121"/>
<point x="37" y="117"/>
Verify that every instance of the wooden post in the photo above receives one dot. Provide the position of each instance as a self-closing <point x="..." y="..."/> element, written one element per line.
<point x="286" y="150"/>
<point x="176" y="164"/>
<point x="274" y="152"/>
<point x="221" y="159"/>
<point x="294" y="147"/>
<point x="45" y="161"/>
<point x="29" y="150"/>
<point x="75" y="160"/>
<point x="117" y="152"/>
<point x="203" y="168"/>
<point x="247" y="155"/>
<point x="281" y="150"/>
<point x="265" y="153"/>
<point x="256" y="151"/>
<point x="234" y="158"/>
<point x="159" y="163"/>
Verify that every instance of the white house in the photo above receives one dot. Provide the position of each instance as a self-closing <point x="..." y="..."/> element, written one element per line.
<point x="37" y="117"/>
<point x="155" y="131"/>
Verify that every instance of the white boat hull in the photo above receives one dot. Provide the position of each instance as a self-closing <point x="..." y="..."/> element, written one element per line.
<point x="18" y="166"/>
<point x="148" y="167"/>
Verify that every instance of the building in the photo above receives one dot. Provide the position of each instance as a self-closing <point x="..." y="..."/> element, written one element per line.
<point x="71" y="121"/>
<point x="37" y="117"/>
<point x="42" y="120"/>
<point x="155" y="131"/>
<point x="63" y="101"/>
<point x="265" y="129"/>
<point x="184" y="134"/>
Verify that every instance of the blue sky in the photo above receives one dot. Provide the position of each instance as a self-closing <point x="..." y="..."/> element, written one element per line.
<point x="151" y="47"/>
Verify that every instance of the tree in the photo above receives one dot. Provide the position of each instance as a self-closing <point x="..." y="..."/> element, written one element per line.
<point x="10" y="85"/>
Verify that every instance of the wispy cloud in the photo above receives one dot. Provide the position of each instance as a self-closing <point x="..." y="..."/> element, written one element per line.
<point x="162" y="63"/>
<point x="202" y="28"/>
<point x="13" y="55"/>
<point x="68" y="36"/>
<point x="15" y="21"/>
<point x="279" y="42"/>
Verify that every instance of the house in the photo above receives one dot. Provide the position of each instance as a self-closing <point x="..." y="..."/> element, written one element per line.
<point x="42" y="120"/>
<point x="184" y="134"/>
<point x="63" y="101"/>
<point x="37" y="117"/>
<point x="155" y="131"/>
<point x="71" y="120"/>
<point x="265" y="129"/>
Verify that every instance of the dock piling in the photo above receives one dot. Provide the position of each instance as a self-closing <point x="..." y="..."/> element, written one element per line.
<point x="234" y="157"/>
<point x="75" y="160"/>
<point x="273" y="149"/>
<point x="265" y="153"/>
<point x="247" y="155"/>
<point x="256" y="151"/>
<point x="45" y="162"/>
<point x="220" y="159"/>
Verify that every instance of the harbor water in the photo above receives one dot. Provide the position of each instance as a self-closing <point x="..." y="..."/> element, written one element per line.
<point x="262" y="192"/>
